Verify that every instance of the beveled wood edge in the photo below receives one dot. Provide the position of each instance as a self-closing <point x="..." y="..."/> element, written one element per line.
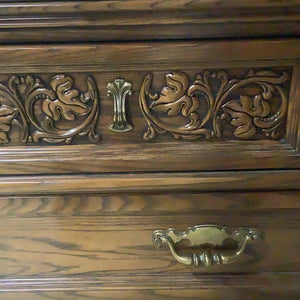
<point x="146" y="66"/>
<point x="274" y="281"/>
<point x="150" y="182"/>
<point x="75" y="34"/>
<point x="139" y="5"/>
<point x="98" y="56"/>
<point x="45" y="19"/>
<point x="250" y="155"/>
<point x="63" y="21"/>
<point x="293" y="124"/>
<point x="146" y="19"/>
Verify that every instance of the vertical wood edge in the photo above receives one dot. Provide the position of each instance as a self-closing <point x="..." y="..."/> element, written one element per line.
<point x="293" y="119"/>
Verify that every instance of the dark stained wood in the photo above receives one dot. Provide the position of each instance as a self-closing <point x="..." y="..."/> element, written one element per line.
<point x="263" y="286"/>
<point x="148" y="56"/>
<point x="145" y="157"/>
<point x="293" y="127"/>
<point x="143" y="182"/>
<point x="76" y="218"/>
<point x="129" y="152"/>
<point x="148" y="19"/>
<point x="208" y="114"/>
<point x="92" y="204"/>
<point x="138" y="5"/>
<point x="98" y="235"/>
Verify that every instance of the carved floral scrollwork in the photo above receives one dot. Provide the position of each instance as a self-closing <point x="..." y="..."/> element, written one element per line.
<point x="215" y="92"/>
<point x="52" y="114"/>
<point x="7" y="115"/>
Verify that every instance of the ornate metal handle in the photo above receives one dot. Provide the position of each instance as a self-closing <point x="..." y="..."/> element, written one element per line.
<point x="208" y="237"/>
<point x="119" y="89"/>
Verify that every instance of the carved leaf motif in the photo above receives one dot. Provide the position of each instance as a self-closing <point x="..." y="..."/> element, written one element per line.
<point x="68" y="103"/>
<point x="173" y="98"/>
<point x="245" y="128"/>
<point x="27" y="96"/>
<point x="255" y="107"/>
<point x="7" y="114"/>
<point x="206" y="102"/>
<point x="182" y="105"/>
<point x="242" y="113"/>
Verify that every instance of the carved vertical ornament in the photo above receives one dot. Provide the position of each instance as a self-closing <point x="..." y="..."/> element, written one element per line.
<point x="213" y="99"/>
<point x="119" y="89"/>
<point x="51" y="113"/>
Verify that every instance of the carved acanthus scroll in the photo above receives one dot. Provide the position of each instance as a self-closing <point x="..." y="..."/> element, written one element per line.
<point x="48" y="113"/>
<point x="211" y="100"/>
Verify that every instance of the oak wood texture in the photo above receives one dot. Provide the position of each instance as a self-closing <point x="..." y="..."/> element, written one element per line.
<point x="40" y="21"/>
<point x="263" y="286"/>
<point x="114" y="57"/>
<point x="293" y="127"/>
<point x="76" y="220"/>
<point x="51" y="243"/>
<point x="128" y="152"/>
<point x="147" y="182"/>
<point x="75" y="159"/>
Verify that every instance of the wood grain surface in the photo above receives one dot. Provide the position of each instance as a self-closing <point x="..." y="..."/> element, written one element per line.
<point x="293" y="127"/>
<point x="130" y="152"/>
<point x="249" y="287"/>
<point x="210" y="294"/>
<point x="76" y="219"/>
<point x="44" y="21"/>
<point x="149" y="56"/>
<point x="150" y="182"/>
<point x="99" y="246"/>
<point x="92" y="235"/>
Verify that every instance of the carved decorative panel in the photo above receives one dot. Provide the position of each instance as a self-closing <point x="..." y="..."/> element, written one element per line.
<point x="215" y="105"/>
<point x="52" y="112"/>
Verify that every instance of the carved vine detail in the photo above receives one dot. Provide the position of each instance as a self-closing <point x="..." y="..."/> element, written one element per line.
<point x="49" y="112"/>
<point x="248" y="114"/>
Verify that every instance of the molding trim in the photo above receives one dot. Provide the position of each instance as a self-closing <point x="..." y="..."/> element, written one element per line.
<point x="160" y="182"/>
<point x="40" y="21"/>
<point x="106" y="282"/>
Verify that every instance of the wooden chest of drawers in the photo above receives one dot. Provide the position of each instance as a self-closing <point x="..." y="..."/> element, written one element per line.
<point x="120" y="120"/>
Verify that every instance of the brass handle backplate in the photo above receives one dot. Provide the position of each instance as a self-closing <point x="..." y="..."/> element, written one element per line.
<point x="210" y="237"/>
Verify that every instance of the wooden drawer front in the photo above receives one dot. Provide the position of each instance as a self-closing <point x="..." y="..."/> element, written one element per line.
<point x="59" y="236"/>
<point x="187" y="106"/>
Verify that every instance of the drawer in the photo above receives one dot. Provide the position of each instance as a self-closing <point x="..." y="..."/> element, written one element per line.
<point x="105" y="240"/>
<point x="139" y="107"/>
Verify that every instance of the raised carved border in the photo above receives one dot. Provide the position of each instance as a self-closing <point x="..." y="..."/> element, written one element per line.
<point x="228" y="155"/>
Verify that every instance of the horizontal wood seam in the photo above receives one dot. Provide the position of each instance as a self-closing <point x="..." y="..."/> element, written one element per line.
<point x="196" y="181"/>
<point x="159" y="281"/>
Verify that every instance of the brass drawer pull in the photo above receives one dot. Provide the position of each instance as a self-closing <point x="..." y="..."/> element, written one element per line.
<point x="119" y="89"/>
<point x="208" y="237"/>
